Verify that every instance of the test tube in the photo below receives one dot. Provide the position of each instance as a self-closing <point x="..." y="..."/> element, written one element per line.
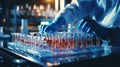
<point x="79" y="42"/>
<point x="90" y="40"/>
<point x="85" y="41"/>
<point x="98" y="41"/>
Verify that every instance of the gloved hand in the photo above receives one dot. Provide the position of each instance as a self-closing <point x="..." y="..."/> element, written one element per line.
<point x="87" y="24"/>
<point x="55" y="24"/>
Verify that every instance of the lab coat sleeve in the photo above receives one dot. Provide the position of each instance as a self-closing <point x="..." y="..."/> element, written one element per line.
<point x="75" y="11"/>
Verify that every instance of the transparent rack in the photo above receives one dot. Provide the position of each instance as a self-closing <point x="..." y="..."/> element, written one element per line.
<point x="60" y="47"/>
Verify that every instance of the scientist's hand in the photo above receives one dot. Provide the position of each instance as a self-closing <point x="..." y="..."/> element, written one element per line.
<point x="55" y="25"/>
<point x="85" y="24"/>
<point x="52" y="27"/>
<point x="89" y="25"/>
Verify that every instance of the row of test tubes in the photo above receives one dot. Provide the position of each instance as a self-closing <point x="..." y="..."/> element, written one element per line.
<point x="66" y="41"/>
<point x="27" y="44"/>
<point x="54" y="42"/>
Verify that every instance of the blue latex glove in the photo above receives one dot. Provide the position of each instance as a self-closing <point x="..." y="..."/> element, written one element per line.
<point x="87" y="24"/>
<point x="55" y="25"/>
<point x="111" y="34"/>
<point x="84" y="24"/>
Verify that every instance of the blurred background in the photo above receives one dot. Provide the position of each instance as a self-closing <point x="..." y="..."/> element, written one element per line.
<point x="31" y="12"/>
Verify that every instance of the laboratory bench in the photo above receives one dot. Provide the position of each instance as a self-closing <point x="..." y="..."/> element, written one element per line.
<point x="16" y="55"/>
<point x="9" y="59"/>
